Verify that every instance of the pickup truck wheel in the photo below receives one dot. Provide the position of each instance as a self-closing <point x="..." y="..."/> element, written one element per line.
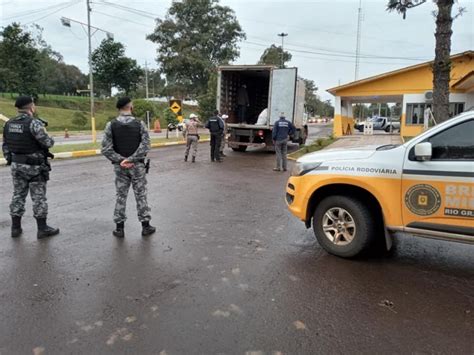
<point x="361" y="129"/>
<point x="387" y="129"/>
<point x="344" y="226"/>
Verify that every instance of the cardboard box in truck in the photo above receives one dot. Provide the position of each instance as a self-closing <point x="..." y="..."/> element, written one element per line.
<point x="245" y="91"/>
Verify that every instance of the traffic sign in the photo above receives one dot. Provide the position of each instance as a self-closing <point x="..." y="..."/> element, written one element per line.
<point x="175" y="106"/>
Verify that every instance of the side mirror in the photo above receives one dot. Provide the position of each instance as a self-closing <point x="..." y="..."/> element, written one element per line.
<point x="423" y="151"/>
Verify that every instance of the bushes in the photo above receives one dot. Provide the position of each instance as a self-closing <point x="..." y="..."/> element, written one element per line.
<point x="79" y="119"/>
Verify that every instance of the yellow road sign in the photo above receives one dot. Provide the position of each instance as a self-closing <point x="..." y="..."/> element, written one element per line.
<point x="175" y="106"/>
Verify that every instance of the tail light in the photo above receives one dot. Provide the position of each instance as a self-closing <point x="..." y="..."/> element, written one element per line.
<point x="261" y="133"/>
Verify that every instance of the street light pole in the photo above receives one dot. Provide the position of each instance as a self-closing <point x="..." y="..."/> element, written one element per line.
<point x="282" y="35"/>
<point x="91" y="78"/>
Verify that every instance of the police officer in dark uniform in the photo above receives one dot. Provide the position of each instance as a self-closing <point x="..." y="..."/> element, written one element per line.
<point x="126" y="143"/>
<point x="282" y="129"/>
<point x="216" y="128"/>
<point x="25" y="147"/>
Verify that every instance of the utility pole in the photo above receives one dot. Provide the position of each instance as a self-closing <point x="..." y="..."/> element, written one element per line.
<point x="359" y="24"/>
<point x="91" y="78"/>
<point x="67" y="23"/>
<point x="146" y="79"/>
<point x="282" y="35"/>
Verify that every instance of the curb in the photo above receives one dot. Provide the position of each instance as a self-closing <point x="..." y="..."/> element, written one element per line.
<point x="93" y="152"/>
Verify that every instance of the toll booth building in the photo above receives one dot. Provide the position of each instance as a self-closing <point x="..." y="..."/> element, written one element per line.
<point x="410" y="88"/>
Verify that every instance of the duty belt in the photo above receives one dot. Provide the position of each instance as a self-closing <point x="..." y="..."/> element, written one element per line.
<point x="24" y="159"/>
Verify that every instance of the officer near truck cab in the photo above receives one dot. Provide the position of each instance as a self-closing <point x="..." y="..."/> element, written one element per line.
<point x="25" y="147"/>
<point x="215" y="127"/>
<point x="282" y="129"/>
<point x="126" y="143"/>
<point x="192" y="136"/>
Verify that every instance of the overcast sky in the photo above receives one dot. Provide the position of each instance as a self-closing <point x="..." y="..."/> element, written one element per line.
<point x="321" y="33"/>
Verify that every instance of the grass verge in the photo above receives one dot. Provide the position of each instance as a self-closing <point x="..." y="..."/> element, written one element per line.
<point x="319" y="144"/>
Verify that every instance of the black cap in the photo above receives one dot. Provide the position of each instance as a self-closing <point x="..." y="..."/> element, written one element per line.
<point x="122" y="102"/>
<point x="23" y="101"/>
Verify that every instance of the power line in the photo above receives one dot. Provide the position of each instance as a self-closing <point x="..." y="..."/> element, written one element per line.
<point x="54" y="12"/>
<point x="33" y="12"/>
<point x="129" y="9"/>
<point x="342" y="55"/>
<point x="336" y="52"/>
<point x="121" y="18"/>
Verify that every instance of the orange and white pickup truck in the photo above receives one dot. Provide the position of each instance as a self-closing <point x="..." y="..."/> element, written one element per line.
<point x="424" y="187"/>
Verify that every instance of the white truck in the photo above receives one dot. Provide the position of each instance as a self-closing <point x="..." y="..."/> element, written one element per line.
<point x="267" y="87"/>
<point x="386" y="124"/>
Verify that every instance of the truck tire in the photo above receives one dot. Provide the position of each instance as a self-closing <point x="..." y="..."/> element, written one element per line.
<point x="361" y="129"/>
<point x="387" y="129"/>
<point x="344" y="226"/>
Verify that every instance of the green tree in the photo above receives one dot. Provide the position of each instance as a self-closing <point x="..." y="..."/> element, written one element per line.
<point x="314" y="105"/>
<point x="272" y="56"/>
<point x="19" y="61"/>
<point x="442" y="62"/>
<point x="140" y="107"/>
<point x="193" y="38"/>
<point x="112" y="68"/>
<point x="207" y="102"/>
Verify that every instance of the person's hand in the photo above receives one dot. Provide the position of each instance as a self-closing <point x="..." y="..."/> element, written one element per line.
<point x="126" y="164"/>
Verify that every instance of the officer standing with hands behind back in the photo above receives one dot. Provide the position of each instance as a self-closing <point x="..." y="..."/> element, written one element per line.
<point x="126" y="143"/>
<point x="216" y="128"/>
<point x="25" y="147"/>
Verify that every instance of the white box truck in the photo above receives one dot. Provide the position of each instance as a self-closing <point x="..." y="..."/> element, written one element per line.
<point x="267" y="87"/>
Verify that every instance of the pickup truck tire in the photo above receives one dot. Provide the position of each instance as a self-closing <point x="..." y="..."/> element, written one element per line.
<point x="361" y="129"/>
<point x="344" y="226"/>
<point x="387" y="129"/>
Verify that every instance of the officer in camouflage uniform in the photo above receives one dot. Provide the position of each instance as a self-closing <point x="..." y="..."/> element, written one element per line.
<point x="192" y="137"/>
<point x="25" y="145"/>
<point x="126" y="143"/>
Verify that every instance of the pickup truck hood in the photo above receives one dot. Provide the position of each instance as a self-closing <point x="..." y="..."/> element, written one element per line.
<point x="339" y="154"/>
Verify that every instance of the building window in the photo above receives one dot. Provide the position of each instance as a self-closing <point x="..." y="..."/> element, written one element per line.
<point x="415" y="112"/>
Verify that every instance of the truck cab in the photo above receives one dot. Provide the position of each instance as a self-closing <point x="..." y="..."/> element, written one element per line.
<point x="424" y="187"/>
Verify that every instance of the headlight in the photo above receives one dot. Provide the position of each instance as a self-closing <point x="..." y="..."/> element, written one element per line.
<point x="303" y="168"/>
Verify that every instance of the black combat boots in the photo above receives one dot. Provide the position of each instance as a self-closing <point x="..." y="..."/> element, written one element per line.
<point x="147" y="229"/>
<point x="185" y="158"/>
<point x="16" y="226"/>
<point x="119" y="230"/>
<point x="45" y="231"/>
<point x="194" y="160"/>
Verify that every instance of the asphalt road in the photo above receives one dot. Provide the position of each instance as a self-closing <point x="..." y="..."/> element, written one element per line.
<point x="229" y="271"/>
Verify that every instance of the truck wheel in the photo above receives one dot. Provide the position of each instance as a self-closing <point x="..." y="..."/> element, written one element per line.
<point x="344" y="226"/>
<point x="361" y="129"/>
<point x="387" y="129"/>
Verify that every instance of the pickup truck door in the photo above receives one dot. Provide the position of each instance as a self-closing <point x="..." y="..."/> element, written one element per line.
<point x="282" y="94"/>
<point x="438" y="194"/>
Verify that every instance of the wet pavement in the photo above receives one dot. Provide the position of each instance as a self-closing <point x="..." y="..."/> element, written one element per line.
<point x="229" y="271"/>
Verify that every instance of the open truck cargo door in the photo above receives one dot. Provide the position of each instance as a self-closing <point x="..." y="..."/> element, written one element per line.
<point x="282" y="93"/>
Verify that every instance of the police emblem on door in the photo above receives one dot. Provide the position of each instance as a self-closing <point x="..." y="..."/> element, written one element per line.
<point x="423" y="199"/>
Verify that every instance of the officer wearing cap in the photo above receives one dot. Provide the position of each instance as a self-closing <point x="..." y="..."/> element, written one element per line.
<point x="224" y="132"/>
<point x="215" y="127"/>
<point x="25" y="145"/>
<point x="192" y="137"/>
<point x="282" y="129"/>
<point x="126" y="143"/>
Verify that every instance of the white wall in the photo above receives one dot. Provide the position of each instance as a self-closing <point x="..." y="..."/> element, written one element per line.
<point x="468" y="99"/>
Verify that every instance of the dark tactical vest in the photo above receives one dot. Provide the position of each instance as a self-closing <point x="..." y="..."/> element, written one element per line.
<point x="214" y="125"/>
<point x="126" y="137"/>
<point x="19" y="138"/>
